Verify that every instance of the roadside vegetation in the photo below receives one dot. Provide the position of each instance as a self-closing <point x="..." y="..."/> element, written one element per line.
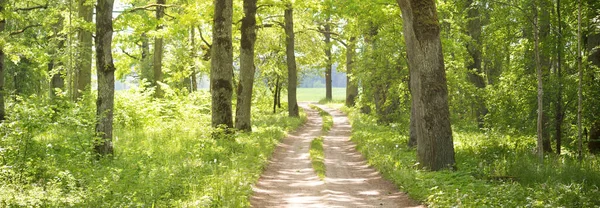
<point x="317" y="157"/>
<point x="492" y="170"/>
<point x="166" y="154"/>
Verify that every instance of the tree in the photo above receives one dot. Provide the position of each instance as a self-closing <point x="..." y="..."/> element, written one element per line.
<point x="540" y="88"/>
<point x="351" y="83"/>
<point x="329" y="61"/>
<point x="429" y="90"/>
<point x="475" y="69"/>
<point x="158" y="50"/>
<point x="291" y="61"/>
<point x="105" y="69"/>
<point x="580" y="75"/>
<point x="2" y="26"/>
<point x="83" y="68"/>
<point x="559" y="109"/>
<point x="221" y="67"/>
<point x="244" y="92"/>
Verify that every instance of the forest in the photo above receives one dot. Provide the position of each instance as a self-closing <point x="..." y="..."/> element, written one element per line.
<point x="455" y="103"/>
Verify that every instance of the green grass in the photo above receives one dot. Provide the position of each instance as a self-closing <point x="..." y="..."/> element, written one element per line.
<point x="482" y="159"/>
<point x="327" y="119"/>
<point x="165" y="155"/>
<point x="317" y="157"/>
<point x="317" y="94"/>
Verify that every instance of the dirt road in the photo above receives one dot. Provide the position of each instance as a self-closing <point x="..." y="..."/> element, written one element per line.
<point x="290" y="181"/>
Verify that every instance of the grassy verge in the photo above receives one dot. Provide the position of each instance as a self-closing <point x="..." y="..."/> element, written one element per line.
<point x="165" y="155"/>
<point x="494" y="170"/>
<point x="327" y="119"/>
<point x="317" y="157"/>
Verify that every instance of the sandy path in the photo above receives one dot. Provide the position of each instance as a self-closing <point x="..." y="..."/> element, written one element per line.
<point x="290" y="181"/>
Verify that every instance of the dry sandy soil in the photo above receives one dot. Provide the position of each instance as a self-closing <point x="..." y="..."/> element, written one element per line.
<point x="290" y="181"/>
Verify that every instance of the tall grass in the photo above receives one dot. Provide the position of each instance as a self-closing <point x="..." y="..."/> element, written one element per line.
<point x="494" y="170"/>
<point x="165" y="154"/>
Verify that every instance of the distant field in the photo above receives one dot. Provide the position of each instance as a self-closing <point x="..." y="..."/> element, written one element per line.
<point x="316" y="94"/>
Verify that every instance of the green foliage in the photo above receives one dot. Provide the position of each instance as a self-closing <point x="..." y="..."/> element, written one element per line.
<point x="317" y="157"/>
<point x="494" y="170"/>
<point x="164" y="154"/>
<point x="316" y="94"/>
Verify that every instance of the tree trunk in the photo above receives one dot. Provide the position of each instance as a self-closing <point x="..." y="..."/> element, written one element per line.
<point x="83" y="78"/>
<point x="329" y="67"/>
<point x="351" y="85"/>
<point x="221" y="66"/>
<point x="158" y="50"/>
<point x="276" y="95"/>
<point x="579" y="92"/>
<point x="291" y="62"/>
<point x="106" y="77"/>
<point x="474" y="49"/>
<point x="146" y="63"/>
<point x="193" y="79"/>
<point x="243" y="111"/>
<point x="2" y="26"/>
<point x="540" y="89"/>
<point x="429" y="89"/>
<point x="559" y="114"/>
<point x="57" y="80"/>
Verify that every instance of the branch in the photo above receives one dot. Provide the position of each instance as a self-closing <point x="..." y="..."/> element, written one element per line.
<point x="202" y="37"/>
<point x="147" y="7"/>
<point x="32" y="8"/>
<point x="340" y="41"/>
<point x="130" y="56"/>
<point x="24" y="29"/>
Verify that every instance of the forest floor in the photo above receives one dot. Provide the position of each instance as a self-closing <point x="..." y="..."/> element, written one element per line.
<point x="290" y="181"/>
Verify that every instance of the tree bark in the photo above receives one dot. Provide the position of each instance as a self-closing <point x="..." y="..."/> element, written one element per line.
<point x="540" y="89"/>
<point x="559" y="114"/>
<point x="57" y="80"/>
<point x="291" y="62"/>
<point x="435" y="150"/>
<point x="83" y="78"/>
<point x="193" y="79"/>
<point x="2" y="26"/>
<point x="243" y="111"/>
<point x="579" y="92"/>
<point x="106" y="77"/>
<point x="146" y="63"/>
<point x="221" y="67"/>
<point x="158" y="50"/>
<point x="351" y="85"/>
<point x="328" y="67"/>
<point x="474" y="49"/>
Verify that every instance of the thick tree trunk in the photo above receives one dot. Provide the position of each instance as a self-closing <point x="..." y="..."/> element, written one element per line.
<point x="244" y="96"/>
<point x="83" y="68"/>
<point x="158" y="50"/>
<point x="429" y="89"/>
<point x="351" y="85"/>
<point x="57" y="80"/>
<point x="540" y="89"/>
<point x="291" y="62"/>
<point x="106" y="77"/>
<point x="2" y="26"/>
<point x="474" y="49"/>
<point x="329" y="66"/>
<point x="221" y="67"/>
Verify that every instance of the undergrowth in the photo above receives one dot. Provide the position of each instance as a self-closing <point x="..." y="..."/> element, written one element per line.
<point x="494" y="170"/>
<point x="164" y="154"/>
<point x="317" y="157"/>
